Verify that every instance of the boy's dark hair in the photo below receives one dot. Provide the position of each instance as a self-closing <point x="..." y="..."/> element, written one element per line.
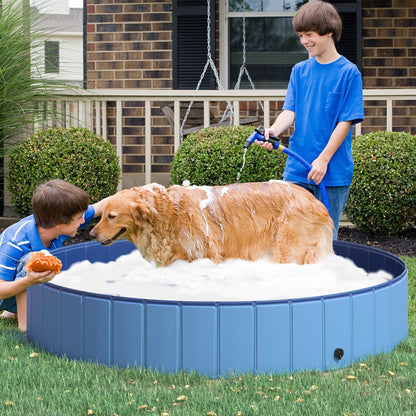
<point x="56" y="202"/>
<point x="320" y="17"/>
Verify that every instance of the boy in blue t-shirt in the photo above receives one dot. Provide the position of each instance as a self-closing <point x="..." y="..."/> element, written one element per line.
<point x="324" y="99"/>
<point x="59" y="209"/>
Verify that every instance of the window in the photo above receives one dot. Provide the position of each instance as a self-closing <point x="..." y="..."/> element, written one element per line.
<point x="190" y="26"/>
<point x="350" y="42"/>
<point x="271" y="46"/>
<point x="51" y="57"/>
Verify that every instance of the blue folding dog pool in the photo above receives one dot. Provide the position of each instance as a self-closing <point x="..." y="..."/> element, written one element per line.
<point x="216" y="338"/>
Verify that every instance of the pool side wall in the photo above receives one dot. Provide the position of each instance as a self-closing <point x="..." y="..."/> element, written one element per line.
<point x="219" y="338"/>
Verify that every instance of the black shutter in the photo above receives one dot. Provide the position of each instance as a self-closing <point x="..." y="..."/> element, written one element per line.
<point x="350" y="42"/>
<point x="190" y="44"/>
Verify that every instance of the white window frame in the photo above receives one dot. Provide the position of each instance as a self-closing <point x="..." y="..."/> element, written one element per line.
<point x="224" y="44"/>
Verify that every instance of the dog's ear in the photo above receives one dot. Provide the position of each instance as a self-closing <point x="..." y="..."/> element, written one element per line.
<point x="149" y="199"/>
<point x="143" y="210"/>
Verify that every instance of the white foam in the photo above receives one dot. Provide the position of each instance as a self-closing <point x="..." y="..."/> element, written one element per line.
<point x="202" y="280"/>
<point x="224" y="190"/>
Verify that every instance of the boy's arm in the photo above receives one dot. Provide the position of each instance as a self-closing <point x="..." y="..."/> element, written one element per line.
<point x="98" y="207"/>
<point x="89" y="214"/>
<point x="13" y="288"/>
<point x="283" y="121"/>
<point x="320" y="164"/>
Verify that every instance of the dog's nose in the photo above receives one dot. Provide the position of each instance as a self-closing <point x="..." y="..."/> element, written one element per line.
<point x="93" y="233"/>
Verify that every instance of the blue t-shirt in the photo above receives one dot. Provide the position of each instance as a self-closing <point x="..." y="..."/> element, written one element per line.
<point x="321" y="96"/>
<point x="23" y="237"/>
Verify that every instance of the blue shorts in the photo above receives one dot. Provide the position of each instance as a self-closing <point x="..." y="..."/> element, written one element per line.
<point x="9" y="304"/>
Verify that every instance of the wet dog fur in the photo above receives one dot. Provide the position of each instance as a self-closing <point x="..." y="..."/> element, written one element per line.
<point x="247" y="221"/>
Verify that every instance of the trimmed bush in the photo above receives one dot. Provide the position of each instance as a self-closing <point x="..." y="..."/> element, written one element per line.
<point x="214" y="156"/>
<point x="382" y="200"/>
<point x="76" y="155"/>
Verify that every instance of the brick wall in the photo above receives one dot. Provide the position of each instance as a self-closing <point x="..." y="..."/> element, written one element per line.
<point x="389" y="59"/>
<point x="129" y="45"/>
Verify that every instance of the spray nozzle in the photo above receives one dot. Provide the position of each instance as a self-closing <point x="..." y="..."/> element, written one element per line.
<point x="258" y="134"/>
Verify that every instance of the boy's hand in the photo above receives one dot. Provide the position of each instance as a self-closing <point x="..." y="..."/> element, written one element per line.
<point x="318" y="171"/>
<point x="264" y="143"/>
<point x="39" y="277"/>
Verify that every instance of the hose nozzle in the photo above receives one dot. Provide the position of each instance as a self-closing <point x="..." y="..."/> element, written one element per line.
<point x="253" y="136"/>
<point x="258" y="134"/>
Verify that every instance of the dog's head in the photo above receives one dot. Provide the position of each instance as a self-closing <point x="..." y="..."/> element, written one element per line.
<point x="127" y="214"/>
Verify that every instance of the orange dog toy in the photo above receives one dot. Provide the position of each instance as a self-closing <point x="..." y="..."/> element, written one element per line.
<point x="39" y="262"/>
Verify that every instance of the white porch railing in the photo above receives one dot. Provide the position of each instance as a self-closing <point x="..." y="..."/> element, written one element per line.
<point x="88" y="108"/>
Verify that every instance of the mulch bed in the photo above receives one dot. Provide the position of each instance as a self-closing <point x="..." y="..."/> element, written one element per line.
<point x="403" y="244"/>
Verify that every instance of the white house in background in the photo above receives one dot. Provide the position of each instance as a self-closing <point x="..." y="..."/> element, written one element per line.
<point x="62" y="55"/>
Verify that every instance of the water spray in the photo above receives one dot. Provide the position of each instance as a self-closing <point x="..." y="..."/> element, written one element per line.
<point x="258" y="134"/>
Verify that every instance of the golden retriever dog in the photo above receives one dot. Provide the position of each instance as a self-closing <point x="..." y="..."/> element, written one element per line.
<point x="247" y="221"/>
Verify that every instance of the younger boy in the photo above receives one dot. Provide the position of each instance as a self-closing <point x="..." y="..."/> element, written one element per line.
<point x="324" y="99"/>
<point x="59" y="209"/>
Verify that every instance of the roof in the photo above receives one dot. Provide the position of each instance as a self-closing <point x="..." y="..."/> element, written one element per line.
<point x="64" y="23"/>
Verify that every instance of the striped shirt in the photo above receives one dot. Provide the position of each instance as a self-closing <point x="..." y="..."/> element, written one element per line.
<point x="23" y="237"/>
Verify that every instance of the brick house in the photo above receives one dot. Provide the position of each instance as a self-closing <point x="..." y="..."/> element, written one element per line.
<point x="162" y="45"/>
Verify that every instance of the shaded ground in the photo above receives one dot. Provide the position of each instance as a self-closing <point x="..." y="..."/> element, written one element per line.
<point x="403" y="244"/>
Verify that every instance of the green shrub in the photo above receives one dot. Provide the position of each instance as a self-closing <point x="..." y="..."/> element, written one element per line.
<point x="76" y="155"/>
<point x="383" y="190"/>
<point x="214" y="156"/>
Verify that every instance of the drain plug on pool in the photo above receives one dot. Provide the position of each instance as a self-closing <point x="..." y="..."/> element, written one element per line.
<point x="338" y="353"/>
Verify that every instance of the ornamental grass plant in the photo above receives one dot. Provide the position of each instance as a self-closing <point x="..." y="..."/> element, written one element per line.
<point x="21" y="78"/>
<point x="20" y="71"/>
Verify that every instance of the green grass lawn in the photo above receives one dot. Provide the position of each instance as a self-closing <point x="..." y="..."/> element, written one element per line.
<point x="37" y="383"/>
